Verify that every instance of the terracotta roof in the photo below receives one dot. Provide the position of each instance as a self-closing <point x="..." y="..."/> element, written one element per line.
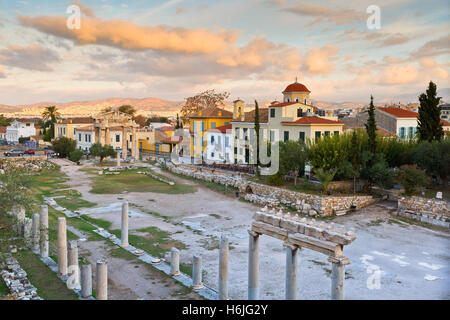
<point x="296" y="87"/>
<point x="250" y="116"/>
<point x="399" y="113"/>
<point x="88" y="128"/>
<point x="78" y="120"/>
<point x="222" y="129"/>
<point x="282" y="104"/>
<point x="28" y="120"/>
<point x="213" y="113"/>
<point x="173" y="140"/>
<point x="167" y="128"/>
<point x="312" y="120"/>
<point x="237" y="100"/>
<point x="2" y="129"/>
<point x="445" y="123"/>
<point x="384" y="132"/>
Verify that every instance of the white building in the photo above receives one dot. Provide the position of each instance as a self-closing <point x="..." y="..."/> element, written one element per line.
<point x="20" y="129"/>
<point x="219" y="148"/>
<point x="85" y="137"/>
<point x="399" y="121"/>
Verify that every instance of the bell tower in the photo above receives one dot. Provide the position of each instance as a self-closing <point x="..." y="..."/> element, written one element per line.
<point x="238" y="109"/>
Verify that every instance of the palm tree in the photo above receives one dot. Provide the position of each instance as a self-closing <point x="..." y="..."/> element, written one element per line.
<point x="50" y="116"/>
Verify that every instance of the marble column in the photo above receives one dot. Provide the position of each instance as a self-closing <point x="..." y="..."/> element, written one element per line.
<point x="86" y="281"/>
<point x="118" y="159"/>
<point x="197" y="273"/>
<point x="62" y="247"/>
<point x="338" y="276"/>
<point x="174" y="262"/>
<point x="124" y="233"/>
<point x="74" y="269"/>
<point x="107" y="137"/>
<point x="253" y="266"/>
<point x="223" y="268"/>
<point x="124" y="143"/>
<point x="133" y="143"/>
<point x="44" y="231"/>
<point x="102" y="280"/>
<point x="35" y="233"/>
<point x="291" y="272"/>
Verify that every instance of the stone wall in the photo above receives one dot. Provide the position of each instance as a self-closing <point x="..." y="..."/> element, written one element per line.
<point x="307" y="203"/>
<point x="434" y="211"/>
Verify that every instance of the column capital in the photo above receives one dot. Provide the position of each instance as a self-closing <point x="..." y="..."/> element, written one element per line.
<point x="290" y="245"/>
<point x="339" y="260"/>
<point x="253" y="233"/>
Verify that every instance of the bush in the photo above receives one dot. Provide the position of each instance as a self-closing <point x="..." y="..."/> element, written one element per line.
<point x="412" y="178"/>
<point x="23" y="139"/>
<point x="275" y="180"/>
<point x="97" y="150"/>
<point x="325" y="177"/>
<point x="76" y="155"/>
<point x="64" y="146"/>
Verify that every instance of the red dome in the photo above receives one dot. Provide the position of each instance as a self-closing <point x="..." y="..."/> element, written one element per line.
<point x="296" y="87"/>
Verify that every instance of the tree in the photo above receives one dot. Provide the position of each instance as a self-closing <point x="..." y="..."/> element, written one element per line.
<point x="75" y="155"/>
<point x="14" y="190"/>
<point x="354" y="155"/>
<point x="293" y="156"/>
<point x="434" y="158"/>
<point x="412" y="178"/>
<point x="107" y="109"/>
<point x="375" y="169"/>
<point x="140" y="120"/>
<point x="98" y="150"/>
<point x="325" y="177"/>
<point x="63" y="146"/>
<point x="201" y="101"/>
<point x="4" y="122"/>
<point x="50" y="116"/>
<point x="371" y="127"/>
<point x="429" y="121"/>
<point x="130" y="110"/>
<point x="178" y="124"/>
<point x="257" y="127"/>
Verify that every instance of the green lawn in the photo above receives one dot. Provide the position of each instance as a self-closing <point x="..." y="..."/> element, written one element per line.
<point x="131" y="181"/>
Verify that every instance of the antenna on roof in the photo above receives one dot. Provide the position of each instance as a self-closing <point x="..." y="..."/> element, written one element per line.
<point x="295" y="79"/>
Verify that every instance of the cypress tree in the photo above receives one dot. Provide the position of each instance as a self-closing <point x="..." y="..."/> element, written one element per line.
<point x="429" y="121"/>
<point x="371" y="127"/>
<point x="257" y="127"/>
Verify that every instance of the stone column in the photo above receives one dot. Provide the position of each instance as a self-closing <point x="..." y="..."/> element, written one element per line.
<point x="337" y="277"/>
<point x="102" y="280"/>
<point x="253" y="266"/>
<point x="107" y="137"/>
<point x="291" y="271"/>
<point x="86" y="281"/>
<point x="44" y="231"/>
<point x="74" y="269"/>
<point x="223" y="268"/>
<point x="62" y="247"/>
<point x="197" y="273"/>
<point x="97" y="134"/>
<point x="118" y="159"/>
<point x="124" y="143"/>
<point x="174" y="262"/>
<point x="35" y="233"/>
<point x="124" y="233"/>
<point x="133" y="143"/>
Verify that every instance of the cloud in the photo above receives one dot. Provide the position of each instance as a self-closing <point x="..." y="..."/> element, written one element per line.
<point x="33" y="57"/>
<point x="377" y="38"/>
<point x="88" y="12"/>
<point x="433" y="48"/>
<point x="128" y="35"/>
<point x="319" y="60"/>
<point x="2" y="74"/>
<point x="180" y="10"/>
<point x="326" y="15"/>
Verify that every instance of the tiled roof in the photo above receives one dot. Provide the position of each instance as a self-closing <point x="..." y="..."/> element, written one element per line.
<point x="282" y="104"/>
<point x="213" y="112"/>
<point x="296" y="87"/>
<point x="445" y="123"/>
<point x="173" y="140"/>
<point x="78" y="120"/>
<point x="399" y="113"/>
<point x="222" y="129"/>
<point x="88" y="128"/>
<point x="250" y="116"/>
<point x="312" y="120"/>
<point x="384" y="132"/>
<point x="2" y="129"/>
<point x="167" y="128"/>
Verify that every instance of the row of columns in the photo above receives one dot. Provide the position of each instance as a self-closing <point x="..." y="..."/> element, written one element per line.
<point x="291" y="293"/>
<point x="104" y="137"/>
<point x="68" y="265"/>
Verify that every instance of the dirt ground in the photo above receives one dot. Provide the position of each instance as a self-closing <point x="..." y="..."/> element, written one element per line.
<point x="412" y="261"/>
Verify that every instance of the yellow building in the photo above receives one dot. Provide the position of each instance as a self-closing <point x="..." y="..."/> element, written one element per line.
<point x="202" y="121"/>
<point x="66" y="128"/>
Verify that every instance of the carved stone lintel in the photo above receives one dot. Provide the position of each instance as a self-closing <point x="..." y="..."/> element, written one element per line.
<point x="253" y="233"/>
<point x="339" y="260"/>
<point x="290" y="245"/>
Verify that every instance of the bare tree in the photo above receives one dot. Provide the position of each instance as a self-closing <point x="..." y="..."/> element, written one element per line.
<point x="201" y="101"/>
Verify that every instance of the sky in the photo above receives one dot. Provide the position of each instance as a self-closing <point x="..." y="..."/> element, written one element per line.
<point x="173" y="49"/>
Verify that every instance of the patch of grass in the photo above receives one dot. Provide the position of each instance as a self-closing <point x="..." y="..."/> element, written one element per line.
<point x="186" y="268"/>
<point x="375" y="223"/>
<point x="3" y="289"/>
<point x="154" y="241"/>
<point x="153" y="213"/>
<point x="131" y="181"/>
<point x="217" y="187"/>
<point x="99" y="222"/>
<point x="121" y="254"/>
<point x="305" y="187"/>
<point x="73" y="204"/>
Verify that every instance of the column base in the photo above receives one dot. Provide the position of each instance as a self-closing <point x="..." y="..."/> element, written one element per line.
<point x="197" y="287"/>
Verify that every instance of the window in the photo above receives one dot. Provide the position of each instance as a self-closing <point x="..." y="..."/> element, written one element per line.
<point x="327" y="133"/>
<point x="288" y="100"/>
<point x="219" y="140"/>
<point x="226" y="123"/>
<point x="235" y="150"/>
<point x="272" y="135"/>
<point x="286" y="136"/>
<point x="212" y="139"/>
<point x="305" y="100"/>
<point x="336" y="133"/>
<point x="299" y="112"/>
<point x="245" y="134"/>
<point x="318" y="134"/>
<point x="296" y="100"/>
<point x="302" y="136"/>
<point x="213" y="124"/>
<point x="240" y="151"/>
<point x="411" y="132"/>
<point x="272" y="113"/>
<point x="117" y="137"/>
<point x="212" y="154"/>
<point x="89" y="138"/>
<point x="227" y="141"/>
<point x="79" y="137"/>
<point x="203" y="126"/>
<point x="236" y="133"/>
<point x="402" y="132"/>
